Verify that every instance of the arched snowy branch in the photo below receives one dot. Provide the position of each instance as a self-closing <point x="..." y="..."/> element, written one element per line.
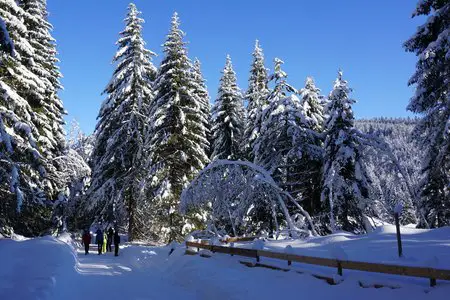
<point x="230" y="188"/>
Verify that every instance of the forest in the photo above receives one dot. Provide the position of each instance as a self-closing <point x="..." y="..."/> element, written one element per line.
<point x="165" y="160"/>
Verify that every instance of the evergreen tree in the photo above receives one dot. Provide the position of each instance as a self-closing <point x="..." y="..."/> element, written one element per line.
<point x="177" y="139"/>
<point x="278" y="120"/>
<point x="289" y="145"/>
<point x="48" y="108"/>
<point x="309" y="147"/>
<point x="201" y="91"/>
<point x="256" y="97"/>
<point x="345" y="184"/>
<point x="228" y="117"/>
<point x="275" y="138"/>
<point x="118" y="151"/>
<point x="432" y="79"/>
<point x="22" y="166"/>
<point x="312" y="103"/>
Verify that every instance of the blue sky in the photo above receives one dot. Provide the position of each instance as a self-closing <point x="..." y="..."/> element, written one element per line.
<point x="314" y="38"/>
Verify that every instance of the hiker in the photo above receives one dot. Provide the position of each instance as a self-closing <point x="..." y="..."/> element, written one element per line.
<point x="110" y="239"/>
<point x="105" y="239"/>
<point x="99" y="241"/>
<point x="86" y="240"/>
<point x="116" y="242"/>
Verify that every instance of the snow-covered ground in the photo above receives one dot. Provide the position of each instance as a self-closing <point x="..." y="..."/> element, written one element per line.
<point x="421" y="247"/>
<point x="49" y="268"/>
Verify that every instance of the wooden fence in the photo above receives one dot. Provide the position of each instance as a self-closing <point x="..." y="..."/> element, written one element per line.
<point x="430" y="273"/>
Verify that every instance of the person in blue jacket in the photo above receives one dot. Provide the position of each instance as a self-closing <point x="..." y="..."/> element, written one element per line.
<point x="116" y="242"/>
<point x="99" y="240"/>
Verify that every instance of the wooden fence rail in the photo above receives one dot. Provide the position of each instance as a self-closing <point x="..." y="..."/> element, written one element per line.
<point x="430" y="273"/>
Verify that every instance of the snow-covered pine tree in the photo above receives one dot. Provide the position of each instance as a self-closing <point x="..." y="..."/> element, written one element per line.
<point x="256" y="97"/>
<point x="431" y="43"/>
<point x="177" y="139"/>
<point x="48" y="107"/>
<point x="201" y="91"/>
<point x="118" y="151"/>
<point x="275" y="137"/>
<point x="312" y="103"/>
<point x="77" y="170"/>
<point x="80" y="142"/>
<point x="345" y="184"/>
<point x="24" y="206"/>
<point x="309" y="146"/>
<point x="289" y="146"/>
<point x="228" y="117"/>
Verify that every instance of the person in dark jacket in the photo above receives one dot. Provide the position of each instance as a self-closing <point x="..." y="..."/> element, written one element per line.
<point x="116" y="243"/>
<point x="86" y="240"/>
<point x="110" y="239"/>
<point x="99" y="240"/>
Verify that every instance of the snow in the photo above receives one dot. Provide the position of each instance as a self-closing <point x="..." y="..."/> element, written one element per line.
<point x="420" y="246"/>
<point x="56" y="268"/>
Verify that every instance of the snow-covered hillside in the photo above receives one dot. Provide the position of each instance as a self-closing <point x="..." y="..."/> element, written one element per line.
<point x="49" y="268"/>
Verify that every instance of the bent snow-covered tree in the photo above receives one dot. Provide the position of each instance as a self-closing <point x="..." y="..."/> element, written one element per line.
<point x="230" y="190"/>
<point x="118" y="151"/>
<point x="431" y="43"/>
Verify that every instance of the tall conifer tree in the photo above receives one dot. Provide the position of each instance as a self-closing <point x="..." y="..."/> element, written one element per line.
<point x="22" y="165"/>
<point x="118" y="151"/>
<point x="345" y="184"/>
<point x="431" y="43"/>
<point x="309" y="145"/>
<point x="48" y="107"/>
<point x="178" y="137"/>
<point x="201" y="91"/>
<point x="275" y="139"/>
<point x="228" y="117"/>
<point x="256" y="97"/>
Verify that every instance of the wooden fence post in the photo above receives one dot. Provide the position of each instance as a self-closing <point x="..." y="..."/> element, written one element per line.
<point x="339" y="265"/>
<point x="432" y="282"/>
<point x="399" y="238"/>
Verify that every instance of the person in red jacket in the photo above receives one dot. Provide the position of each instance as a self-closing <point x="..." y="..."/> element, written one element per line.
<point x="86" y="239"/>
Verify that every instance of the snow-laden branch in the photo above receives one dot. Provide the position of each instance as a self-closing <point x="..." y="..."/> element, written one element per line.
<point x="229" y="189"/>
<point x="377" y="143"/>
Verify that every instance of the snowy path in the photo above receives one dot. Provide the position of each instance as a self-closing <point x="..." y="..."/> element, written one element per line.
<point x="108" y="277"/>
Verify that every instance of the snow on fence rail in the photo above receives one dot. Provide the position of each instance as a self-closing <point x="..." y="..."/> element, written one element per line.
<point x="239" y="239"/>
<point x="431" y="273"/>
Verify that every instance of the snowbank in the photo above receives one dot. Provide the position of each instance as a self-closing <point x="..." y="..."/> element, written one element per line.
<point x="419" y="246"/>
<point x="32" y="268"/>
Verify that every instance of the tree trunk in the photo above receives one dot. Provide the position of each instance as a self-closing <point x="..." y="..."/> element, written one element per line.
<point x="131" y="208"/>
